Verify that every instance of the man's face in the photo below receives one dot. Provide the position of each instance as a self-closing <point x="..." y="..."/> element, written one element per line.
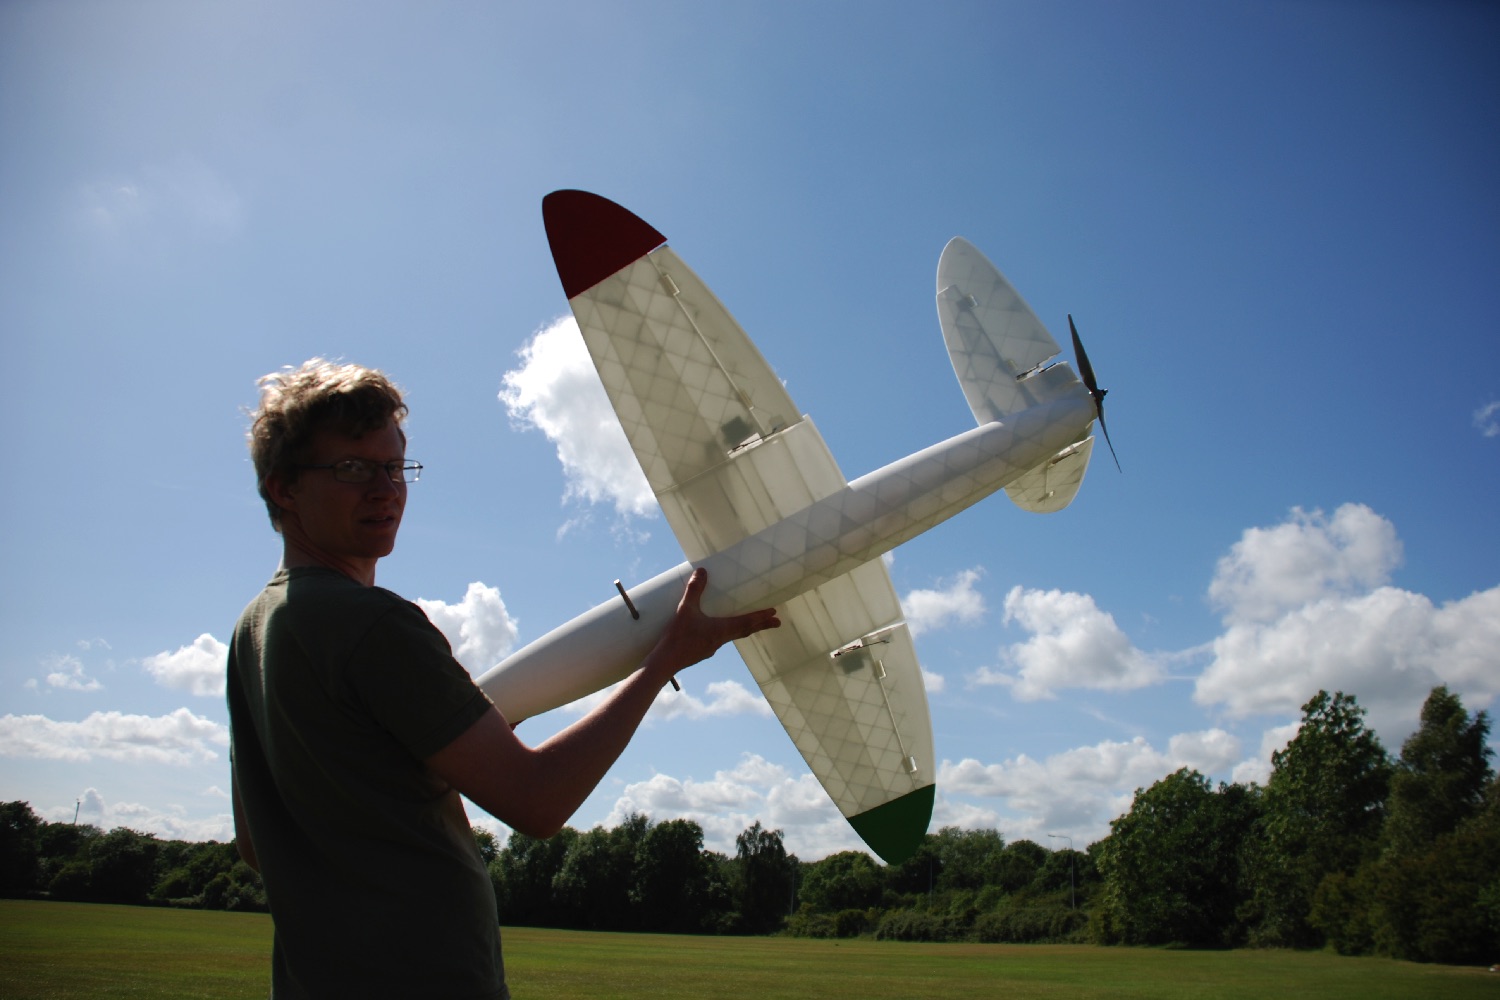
<point x="346" y="526"/>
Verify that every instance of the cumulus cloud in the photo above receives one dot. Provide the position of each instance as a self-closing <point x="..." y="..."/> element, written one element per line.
<point x="198" y="667"/>
<point x="557" y="391"/>
<point x="1389" y="648"/>
<point x="67" y="673"/>
<point x="1078" y="791"/>
<point x="932" y="609"/>
<point x="479" y="627"/>
<point x="721" y="698"/>
<point x="172" y="822"/>
<point x="1487" y="419"/>
<point x="754" y="790"/>
<point x="1307" y="608"/>
<point x="1271" y="571"/>
<point x="1074" y="644"/>
<point x="179" y="737"/>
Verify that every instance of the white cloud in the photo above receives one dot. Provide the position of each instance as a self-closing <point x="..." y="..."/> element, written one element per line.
<point x="722" y="698"/>
<point x="959" y="602"/>
<point x="179" y="737"/>
<point x="1388" y="648"/>
<point x="1271" y="571"/>
<point x="1487" y="419"/>
<point x="479" y="628"/>
<point x="171" y="823"/>
<point x="557" y="391"/>
<point x="68" y="674"/>
<point x="1073" y="645"/>
<point x="1307" y="608"/>
<point x="754" y="790"/>
<point x="1077" y="792"/>
<point x="198" y="667"/>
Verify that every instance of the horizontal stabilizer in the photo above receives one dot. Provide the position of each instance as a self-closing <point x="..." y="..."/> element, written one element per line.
<point x="1052" y="485"/>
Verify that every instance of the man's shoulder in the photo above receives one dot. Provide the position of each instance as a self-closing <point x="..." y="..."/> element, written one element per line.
<point x="318" y="583"/>
<point x="309" y="593"/>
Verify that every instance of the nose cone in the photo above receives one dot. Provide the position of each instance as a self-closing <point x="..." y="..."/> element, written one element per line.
<point x="592" y="238"/>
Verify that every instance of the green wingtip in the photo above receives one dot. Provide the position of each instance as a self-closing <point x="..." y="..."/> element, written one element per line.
<point x="895" y="830"/>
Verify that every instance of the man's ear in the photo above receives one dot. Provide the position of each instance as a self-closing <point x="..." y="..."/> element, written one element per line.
<point x="282" y="493"/>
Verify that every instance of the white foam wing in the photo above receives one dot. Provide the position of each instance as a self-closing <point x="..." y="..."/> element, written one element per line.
<point x="727" y="455"/>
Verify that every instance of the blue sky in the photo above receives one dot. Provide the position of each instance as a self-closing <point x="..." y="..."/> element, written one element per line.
<point x="1276" y="225"/>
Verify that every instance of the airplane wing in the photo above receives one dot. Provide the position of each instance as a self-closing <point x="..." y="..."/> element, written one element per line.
<point x="727" y="454"/>
<point x="1000" y="351"/>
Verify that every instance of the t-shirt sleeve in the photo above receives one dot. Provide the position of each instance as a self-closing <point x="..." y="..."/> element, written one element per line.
<point x="404" y="672"/>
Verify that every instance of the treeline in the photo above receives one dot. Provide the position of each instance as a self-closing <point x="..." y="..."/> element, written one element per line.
<point x="960" y="885"/>
<point x="643" y="876"/>
<point x="84" y="864"/>
<point x="1344" y="846"/>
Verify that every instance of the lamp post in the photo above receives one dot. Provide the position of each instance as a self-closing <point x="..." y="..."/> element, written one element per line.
<point x="1072" y="892"/>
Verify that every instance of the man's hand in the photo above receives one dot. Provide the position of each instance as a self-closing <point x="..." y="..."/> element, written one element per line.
<point x="694" y="636"/>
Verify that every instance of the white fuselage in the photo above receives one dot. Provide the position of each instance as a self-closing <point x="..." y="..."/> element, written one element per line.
<point x="864" y="520"/>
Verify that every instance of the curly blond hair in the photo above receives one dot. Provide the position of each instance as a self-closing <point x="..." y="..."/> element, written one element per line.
<point x="295" y="403"/>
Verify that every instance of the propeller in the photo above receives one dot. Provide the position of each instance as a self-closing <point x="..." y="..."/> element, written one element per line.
<point x="1086" y="372"/>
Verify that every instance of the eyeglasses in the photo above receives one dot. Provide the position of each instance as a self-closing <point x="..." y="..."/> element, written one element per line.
<point x="359" y="470"/>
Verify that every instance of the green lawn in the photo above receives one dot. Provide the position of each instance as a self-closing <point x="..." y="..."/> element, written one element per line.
<point x="79" y="950"/>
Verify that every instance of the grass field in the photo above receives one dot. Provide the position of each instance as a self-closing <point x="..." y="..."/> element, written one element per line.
<point x="55" y="950"/>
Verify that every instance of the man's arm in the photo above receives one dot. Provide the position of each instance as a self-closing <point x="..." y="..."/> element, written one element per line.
<point x="537" y="789"/>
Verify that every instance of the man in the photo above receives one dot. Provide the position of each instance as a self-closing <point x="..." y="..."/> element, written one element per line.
<point x="354" y="730"/>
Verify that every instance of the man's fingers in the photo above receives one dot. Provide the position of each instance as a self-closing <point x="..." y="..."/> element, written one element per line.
<point x="693" y="592"/>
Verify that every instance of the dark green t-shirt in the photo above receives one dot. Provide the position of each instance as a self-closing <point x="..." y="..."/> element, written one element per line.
<point x="337" y="692"/>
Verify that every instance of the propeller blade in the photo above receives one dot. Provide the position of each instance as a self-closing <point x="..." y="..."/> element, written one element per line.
<point x="1086" y="372"/>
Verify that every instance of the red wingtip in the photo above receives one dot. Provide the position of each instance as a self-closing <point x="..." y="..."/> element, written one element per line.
<point x="592" y="238"/>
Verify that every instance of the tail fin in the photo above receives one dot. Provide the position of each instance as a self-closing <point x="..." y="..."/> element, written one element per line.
<point x="1000" y="353"/>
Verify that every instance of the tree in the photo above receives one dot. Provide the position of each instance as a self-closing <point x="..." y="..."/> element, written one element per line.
<point x="184" y="871"/>
<point x="1324" y="806"/>
<point x="1424" y="897"/>
<point x="1430" y="906"/>
<point x="1018" y="865"/>
<point x="592" y="886"/>
<point x="765" y="880"/>
<point x="20" y="848"/>
<point x="848" y="880"/>
<point x="968" y="859"/>
<point x="118" y="867"/>
<point x="1170" y="865"/>
<point x="917" y="875"/>
<point x="1067" y="870"/>
<point x="1440" y="778"/>
<point x="488" y="844"/>
<point x="238" y="888"/>
<point x="677" y="887"/>
<point x="523" y="874"/>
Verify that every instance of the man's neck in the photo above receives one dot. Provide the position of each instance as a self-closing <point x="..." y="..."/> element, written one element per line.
<point x="295" y="556"/>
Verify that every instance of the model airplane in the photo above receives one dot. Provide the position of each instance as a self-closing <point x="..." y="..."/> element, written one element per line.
<point x="753" y="494"/>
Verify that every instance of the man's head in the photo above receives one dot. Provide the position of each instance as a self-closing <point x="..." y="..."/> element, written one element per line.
<point x="297" y="403"/>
